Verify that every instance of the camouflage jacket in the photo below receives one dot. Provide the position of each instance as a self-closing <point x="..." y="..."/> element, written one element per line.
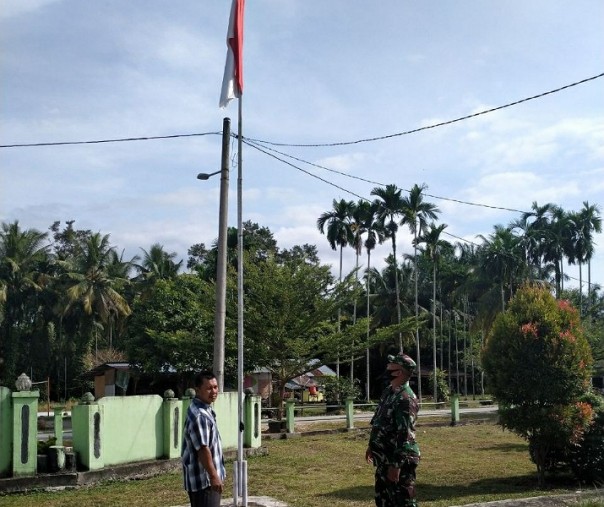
<point x="392" y="439"/>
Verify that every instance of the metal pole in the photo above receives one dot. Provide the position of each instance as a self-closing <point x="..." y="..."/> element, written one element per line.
<point x="221" y="265"/>
<point x="242" y="465"/>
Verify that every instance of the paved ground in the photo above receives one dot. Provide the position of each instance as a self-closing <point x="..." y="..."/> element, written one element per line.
<point x="540" y="501"/>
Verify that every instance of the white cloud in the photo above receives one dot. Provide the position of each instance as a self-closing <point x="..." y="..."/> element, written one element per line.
<point x="12" y="8"/>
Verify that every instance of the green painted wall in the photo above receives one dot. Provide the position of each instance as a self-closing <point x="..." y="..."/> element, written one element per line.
<point x="132" y="428"/>
<point x="25" y="432"/>
<point x="90" y="450"/>
<point x="6" y="431"/>
<point x="225" y="407"/>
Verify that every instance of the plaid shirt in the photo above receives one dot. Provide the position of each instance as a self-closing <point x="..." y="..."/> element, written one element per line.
<point x="200" y="430"/>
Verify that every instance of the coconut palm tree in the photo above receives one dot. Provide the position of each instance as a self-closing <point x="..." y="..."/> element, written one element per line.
<point x="389" y="208"/>
<point x="339" y="234"/>
<point x="157" y="264"/>
<point x="21" y="254"/>
<point x="416" y="213"/>
<point x="91" y="290"/>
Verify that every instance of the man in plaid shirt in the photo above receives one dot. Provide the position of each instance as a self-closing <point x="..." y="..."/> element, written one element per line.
<point x="202" y="459"/>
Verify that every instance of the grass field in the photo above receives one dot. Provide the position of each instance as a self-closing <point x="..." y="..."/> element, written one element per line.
<point x="460" y="465"/>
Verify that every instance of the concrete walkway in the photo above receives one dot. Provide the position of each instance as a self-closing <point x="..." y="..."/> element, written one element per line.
<point x="539" y="501"/>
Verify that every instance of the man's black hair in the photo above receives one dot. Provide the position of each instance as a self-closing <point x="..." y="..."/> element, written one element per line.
<point x="203" y="375"/>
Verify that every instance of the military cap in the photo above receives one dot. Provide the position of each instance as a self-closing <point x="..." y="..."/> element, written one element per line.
<point x="404" y="360"/>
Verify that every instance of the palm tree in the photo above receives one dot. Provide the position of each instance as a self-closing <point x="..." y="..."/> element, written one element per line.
<point x="416" y="213"/>
<point x="535" y="226"/>
<point x="556" y="243"/>
<point x="501" y="259"/>
<point x="384" y="298"/>
<point x="91" y="290"/>
<point x="339" y="234"/>
<point x="389" y="209"/>
<point x="370" y="226"/>
<point x="119" y="269"/>
<point x="356" y="227"/>
<point x="21" y="253"/>
<point x="590" y="221"/>
<point x="157" y="264"/>
<point x="434" y="249"/>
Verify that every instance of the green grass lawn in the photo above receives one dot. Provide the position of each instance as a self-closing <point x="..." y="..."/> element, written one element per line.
<point x="460" y="465"/>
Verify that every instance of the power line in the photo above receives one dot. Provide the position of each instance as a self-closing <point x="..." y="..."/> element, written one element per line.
<point x="315" y="145"/>
<point x="441" y="124"/>
<point x="121" y="140"/>
<point x="262" y="149"/>
<point x="371" y="181"/>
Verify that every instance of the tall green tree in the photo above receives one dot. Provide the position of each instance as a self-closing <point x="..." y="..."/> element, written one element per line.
<point x="337" y="225"/>
<point x="374" y="234"/>
<point x="557" y="245"/>
<point x="157" y="264"/>
<point x="535" y="227"/>
<point x="389" y="205"/>
<point x="171" y="329"/>
<point x="588" y="221"/>
<point x="22" y="252"/>
<point x="289" y="325"/>
<point x="92" y="290"/>
<point x="416" y="214"/>
<point x="356" y="227"/>
<point x="501" y="260"/>
<point x="434" y="247"/>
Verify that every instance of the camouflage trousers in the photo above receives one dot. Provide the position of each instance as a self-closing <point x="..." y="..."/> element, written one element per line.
<point x="395" y="494"/>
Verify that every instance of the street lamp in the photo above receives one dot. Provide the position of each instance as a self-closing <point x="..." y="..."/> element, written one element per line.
<point x="220" y="315"/>
<point x="206" y="176"/>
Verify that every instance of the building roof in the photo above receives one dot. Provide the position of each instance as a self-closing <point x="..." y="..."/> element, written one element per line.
<point x="102" y="368"/>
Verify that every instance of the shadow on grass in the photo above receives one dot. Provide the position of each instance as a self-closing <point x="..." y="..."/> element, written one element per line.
<point x="492" y="486"/>
<point x="354" y="494"/>
<point x="507" y="448"/>
<point x="495" y="486"/>
<point x="432" y="492"/>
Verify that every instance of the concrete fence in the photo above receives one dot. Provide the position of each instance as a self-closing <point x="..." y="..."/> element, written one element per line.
<point x="112" y="430"/>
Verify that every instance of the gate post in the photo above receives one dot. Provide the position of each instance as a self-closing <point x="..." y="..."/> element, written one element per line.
<point x="25" y="428"/>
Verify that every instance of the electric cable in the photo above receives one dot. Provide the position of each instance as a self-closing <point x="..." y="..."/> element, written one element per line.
<point x="315" y="145"/>
<point x="459" y="201"/>
<point x="441" y="124"/>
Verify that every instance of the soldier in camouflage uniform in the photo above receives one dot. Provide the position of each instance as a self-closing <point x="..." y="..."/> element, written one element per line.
<point x="392" y="447"/>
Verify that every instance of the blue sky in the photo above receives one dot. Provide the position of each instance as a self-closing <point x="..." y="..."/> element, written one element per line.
<point x="315" y="72"/>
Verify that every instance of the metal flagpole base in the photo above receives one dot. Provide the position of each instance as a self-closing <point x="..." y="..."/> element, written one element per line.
<point x="235" y="484"/>
<point x="240" y="483"/>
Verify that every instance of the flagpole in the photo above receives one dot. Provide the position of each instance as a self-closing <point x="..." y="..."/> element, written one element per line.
<point x="232" y="87"/>
<point x="242" y="464"/>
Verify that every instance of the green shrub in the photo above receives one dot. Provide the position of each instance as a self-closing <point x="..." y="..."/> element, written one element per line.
<point x="44" y="445"/>
<point x="441" y="385"/>
<point x="538" y="366"/>
<point x="338" y="389"/>
<point x="586" y="458"/>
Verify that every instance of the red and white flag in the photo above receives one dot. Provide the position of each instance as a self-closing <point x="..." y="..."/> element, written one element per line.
<point x="232" y="82"/>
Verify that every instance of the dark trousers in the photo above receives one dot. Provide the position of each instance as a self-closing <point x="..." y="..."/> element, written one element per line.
<point x="204" y="498"/>
<point x="395" y="494"/>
